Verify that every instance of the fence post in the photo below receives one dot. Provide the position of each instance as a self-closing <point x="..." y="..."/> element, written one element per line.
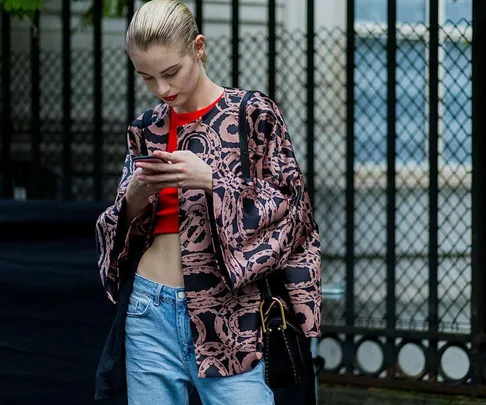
<point x="391" y="191"/>
<point x="310" y="97"/>
<point x="350" y="192"/>
<point x="272" y="53"/>
<point x="433" y="183"/>
<point x="235" y="39"/>
<point x="5" y="124"/>
<point x="130" y="71"/>
<point x="98" y="101"/>
<point x="35" y="108"/>
<point x="478" y="282"/>
<point x="66" y="178"/>
<point x="199" y="15"/>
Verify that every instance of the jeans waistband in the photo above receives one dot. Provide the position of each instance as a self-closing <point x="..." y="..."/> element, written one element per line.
<point x="158" y="291"/>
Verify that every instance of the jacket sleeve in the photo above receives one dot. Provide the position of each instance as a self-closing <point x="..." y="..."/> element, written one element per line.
<point x="263" y="220"/>
<point x="113" y="234"/>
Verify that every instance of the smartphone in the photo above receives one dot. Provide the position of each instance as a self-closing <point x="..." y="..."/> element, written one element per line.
<point x="147" y="158"/>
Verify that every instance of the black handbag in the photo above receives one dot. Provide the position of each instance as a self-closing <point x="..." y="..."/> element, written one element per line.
<point x="284" y="345"/>
<point x="286" y="349"/>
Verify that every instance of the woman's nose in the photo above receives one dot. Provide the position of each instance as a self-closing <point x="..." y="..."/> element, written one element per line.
<point x="163" y="88"/>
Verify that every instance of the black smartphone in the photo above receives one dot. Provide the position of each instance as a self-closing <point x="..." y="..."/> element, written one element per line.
<point x="147" y="158"/>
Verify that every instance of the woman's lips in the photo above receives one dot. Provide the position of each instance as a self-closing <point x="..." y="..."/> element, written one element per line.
<point x="170" y="98"/>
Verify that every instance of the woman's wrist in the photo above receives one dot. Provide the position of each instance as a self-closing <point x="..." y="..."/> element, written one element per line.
<point x="134" y="205"/>
<point x="208" y="184"/>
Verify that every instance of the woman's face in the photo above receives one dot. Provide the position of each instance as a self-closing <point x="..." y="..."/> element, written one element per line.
<point x="170" y="76"/>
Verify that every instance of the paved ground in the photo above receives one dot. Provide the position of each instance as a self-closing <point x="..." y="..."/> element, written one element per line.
<point x="339" y="395"/>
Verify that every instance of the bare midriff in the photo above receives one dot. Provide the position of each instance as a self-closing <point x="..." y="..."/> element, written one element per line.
<point x="162" y="261"/>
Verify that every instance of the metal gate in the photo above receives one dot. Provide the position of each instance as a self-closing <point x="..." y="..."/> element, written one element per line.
<point x="388" y="127"/>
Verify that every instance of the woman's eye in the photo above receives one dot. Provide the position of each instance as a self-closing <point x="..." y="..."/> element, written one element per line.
<point x="171" y="74"/>
<point x="147" y="78"/>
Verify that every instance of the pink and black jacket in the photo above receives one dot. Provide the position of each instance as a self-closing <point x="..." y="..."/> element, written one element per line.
<point x="265" y="225"/>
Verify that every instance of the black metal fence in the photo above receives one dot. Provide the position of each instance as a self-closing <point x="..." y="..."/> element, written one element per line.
<point x="395" y="175"/>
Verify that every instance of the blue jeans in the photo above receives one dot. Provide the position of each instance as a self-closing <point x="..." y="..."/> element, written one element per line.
<point x="161" y="366"/>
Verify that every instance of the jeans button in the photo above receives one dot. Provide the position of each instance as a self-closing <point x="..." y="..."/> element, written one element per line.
<point x="181" y="295"/>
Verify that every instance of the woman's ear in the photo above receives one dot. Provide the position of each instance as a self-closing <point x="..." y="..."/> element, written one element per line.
<point x="199" y="46"/>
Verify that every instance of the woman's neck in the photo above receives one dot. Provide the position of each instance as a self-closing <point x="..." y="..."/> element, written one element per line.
<point x="205" y="93"/>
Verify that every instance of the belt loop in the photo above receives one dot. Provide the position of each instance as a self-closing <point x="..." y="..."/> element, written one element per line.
<point x="158" y="292"/>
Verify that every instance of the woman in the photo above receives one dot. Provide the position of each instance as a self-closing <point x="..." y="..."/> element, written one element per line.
<point x="192" y="323"/>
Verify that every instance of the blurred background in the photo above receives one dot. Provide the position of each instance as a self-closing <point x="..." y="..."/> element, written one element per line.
<point x="384" y="101"/>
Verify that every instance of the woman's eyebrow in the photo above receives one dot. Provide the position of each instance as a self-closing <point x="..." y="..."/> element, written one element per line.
<point x="165" y="70"/>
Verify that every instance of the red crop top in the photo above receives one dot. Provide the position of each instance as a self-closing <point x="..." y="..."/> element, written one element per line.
<point x="167" y="215"/>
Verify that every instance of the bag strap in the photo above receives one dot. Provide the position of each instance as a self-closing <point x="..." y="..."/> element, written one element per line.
<point x="244" y="134"/>
<point x="146" y="121"/>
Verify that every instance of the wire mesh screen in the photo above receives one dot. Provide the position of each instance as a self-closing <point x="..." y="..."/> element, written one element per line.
<point x="22" y="85"/>
<point x="370" y="126"/>
<point x="330" y="165"/>
<point x="412" y="178"/>
<point x="253" y="62"/>
<point x="218" y="65"/>
<point x="291" y="90"/>
<point x="455" y="193"/>
<point x="412" y="204"/>
<point x="370" y="149"/>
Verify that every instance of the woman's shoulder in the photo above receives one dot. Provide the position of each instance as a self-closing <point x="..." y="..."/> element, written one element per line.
<point x="257" y="100"/>
<point x="151" y="116"/>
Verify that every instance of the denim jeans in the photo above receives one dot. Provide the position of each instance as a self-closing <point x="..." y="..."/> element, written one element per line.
<point x="160" y="360"/>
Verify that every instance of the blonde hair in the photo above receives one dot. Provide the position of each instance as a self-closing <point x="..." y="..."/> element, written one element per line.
<point x="162" y="22"/>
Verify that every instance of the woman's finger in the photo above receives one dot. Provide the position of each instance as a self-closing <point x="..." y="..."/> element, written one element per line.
<point x="166" y="156"/>
<point x="157" y="167"/>
<point x="161" y="178"/>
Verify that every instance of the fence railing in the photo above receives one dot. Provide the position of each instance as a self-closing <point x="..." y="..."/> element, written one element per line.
<point x="388" y="127"/>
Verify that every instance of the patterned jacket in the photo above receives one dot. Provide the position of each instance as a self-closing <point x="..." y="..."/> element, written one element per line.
<point x="265" y="225"/>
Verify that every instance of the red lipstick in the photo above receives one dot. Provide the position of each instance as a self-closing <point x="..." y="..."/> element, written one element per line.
<point x="170" y="98"/>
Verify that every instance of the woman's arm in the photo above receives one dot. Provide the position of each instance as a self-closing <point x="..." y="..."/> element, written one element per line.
<point x="119" y="221"/>
<point x="262" y="221"/>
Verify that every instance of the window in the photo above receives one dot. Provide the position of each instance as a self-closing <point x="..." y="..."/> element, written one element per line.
<point x="458" y="11"/>
<point x="412" y="82"/>
<point x="411" y="11"/>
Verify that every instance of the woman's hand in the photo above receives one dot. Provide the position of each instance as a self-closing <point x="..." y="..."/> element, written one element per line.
<point x="138" y="193"/>
<point x="179" y="169"/>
